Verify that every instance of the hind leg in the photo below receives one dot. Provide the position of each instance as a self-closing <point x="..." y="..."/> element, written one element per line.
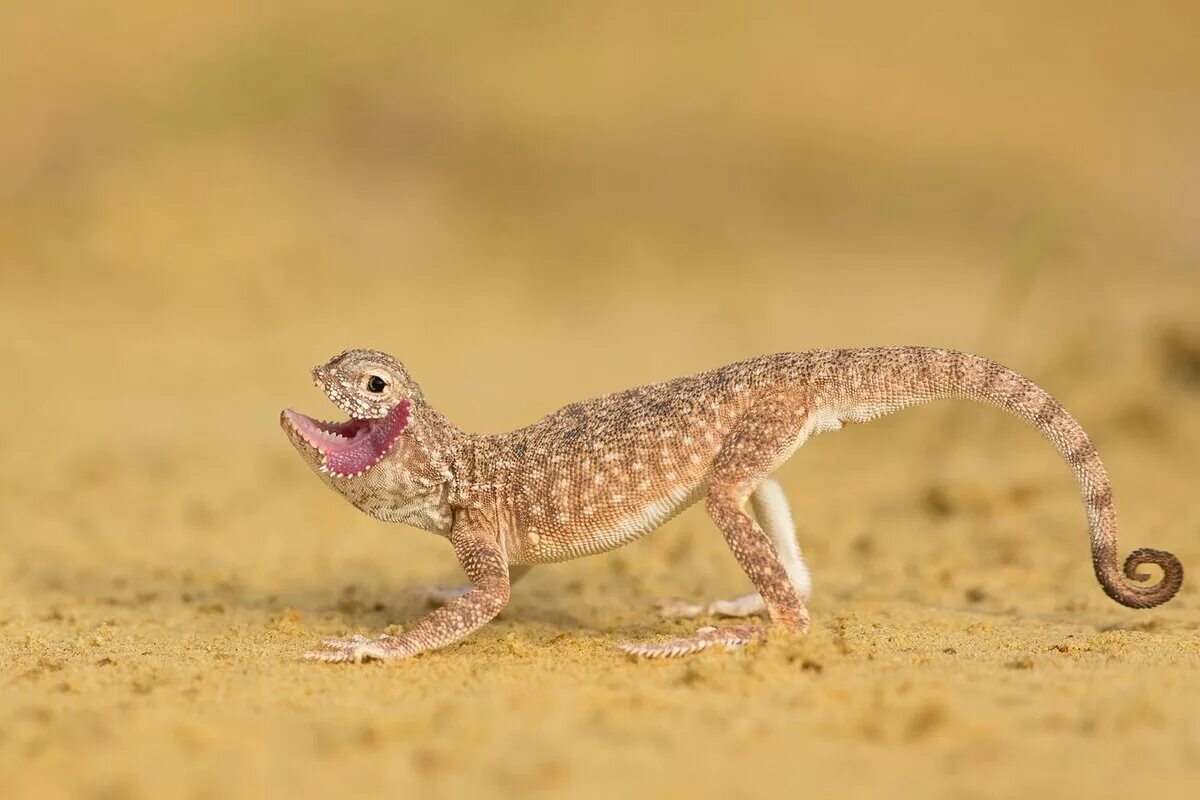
<point x="771" y="510"/>
<point x="775" y="516"/>
<point x="766" y="436"/>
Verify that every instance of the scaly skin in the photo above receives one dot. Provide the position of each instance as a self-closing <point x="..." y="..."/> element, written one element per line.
<point x="599" y="474"/>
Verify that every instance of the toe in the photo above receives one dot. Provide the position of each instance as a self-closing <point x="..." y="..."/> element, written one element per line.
<point x="729" y="638"/>
<point x="327" y="655"/>
<point x="673" y="648"/>
<point x="349" y="643"/>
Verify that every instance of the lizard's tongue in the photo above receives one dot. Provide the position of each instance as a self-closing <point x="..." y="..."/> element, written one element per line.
<point x="351" y="448"/>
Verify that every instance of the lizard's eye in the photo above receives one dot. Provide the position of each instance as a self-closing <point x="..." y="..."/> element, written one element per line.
<point x="376" y="384"/>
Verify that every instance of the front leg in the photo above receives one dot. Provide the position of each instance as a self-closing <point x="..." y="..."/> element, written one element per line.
<point x="479" y="553"/>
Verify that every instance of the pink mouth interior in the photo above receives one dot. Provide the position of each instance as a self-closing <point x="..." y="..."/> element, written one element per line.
<point x="352" y="447"/>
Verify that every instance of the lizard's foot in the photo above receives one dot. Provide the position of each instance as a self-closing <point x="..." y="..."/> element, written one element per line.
<point x="436" y="596"/>
<point x="747" y="605"/>
<point x="354" y="649"/>
<point x="729" y="638"/>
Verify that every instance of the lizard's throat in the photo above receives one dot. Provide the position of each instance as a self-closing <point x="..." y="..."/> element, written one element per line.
<point x="349" y="449"/>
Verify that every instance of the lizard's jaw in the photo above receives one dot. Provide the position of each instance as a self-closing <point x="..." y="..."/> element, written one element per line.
<point x="347" y="449"/>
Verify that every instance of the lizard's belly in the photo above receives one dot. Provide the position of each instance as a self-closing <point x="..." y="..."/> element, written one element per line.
<point x="588" y="530"/>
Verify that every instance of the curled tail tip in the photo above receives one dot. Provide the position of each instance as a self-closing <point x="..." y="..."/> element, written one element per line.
<point x="1134" y="592"/>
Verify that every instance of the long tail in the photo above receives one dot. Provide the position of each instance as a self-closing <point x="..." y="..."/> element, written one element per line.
<point x="873" y="382"/>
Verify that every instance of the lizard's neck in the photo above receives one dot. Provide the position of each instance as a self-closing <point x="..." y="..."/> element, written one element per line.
<point x="417" y="482"/>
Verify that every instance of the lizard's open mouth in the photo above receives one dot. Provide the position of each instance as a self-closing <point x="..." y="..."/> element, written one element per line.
<point x="350" y="448"/>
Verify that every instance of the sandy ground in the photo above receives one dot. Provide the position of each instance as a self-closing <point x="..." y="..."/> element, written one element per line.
<point x="189" y="224"/>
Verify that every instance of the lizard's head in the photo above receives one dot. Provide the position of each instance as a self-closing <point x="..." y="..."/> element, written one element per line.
<point x="377" y="393"/>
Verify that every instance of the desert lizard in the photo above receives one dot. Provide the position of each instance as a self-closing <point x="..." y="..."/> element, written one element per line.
<point x="599" y="474"/>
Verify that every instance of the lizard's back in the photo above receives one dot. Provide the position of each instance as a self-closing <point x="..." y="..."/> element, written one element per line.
<point x="596" y="474"/>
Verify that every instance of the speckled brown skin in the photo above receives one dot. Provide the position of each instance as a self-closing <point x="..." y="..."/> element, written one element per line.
<point x="598" y="474"/>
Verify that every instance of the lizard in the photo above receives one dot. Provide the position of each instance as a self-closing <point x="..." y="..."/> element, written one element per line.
<point x="598" y="474"/>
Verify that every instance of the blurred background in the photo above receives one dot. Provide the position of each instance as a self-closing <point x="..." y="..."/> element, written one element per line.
<point x="534" y="202"/>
